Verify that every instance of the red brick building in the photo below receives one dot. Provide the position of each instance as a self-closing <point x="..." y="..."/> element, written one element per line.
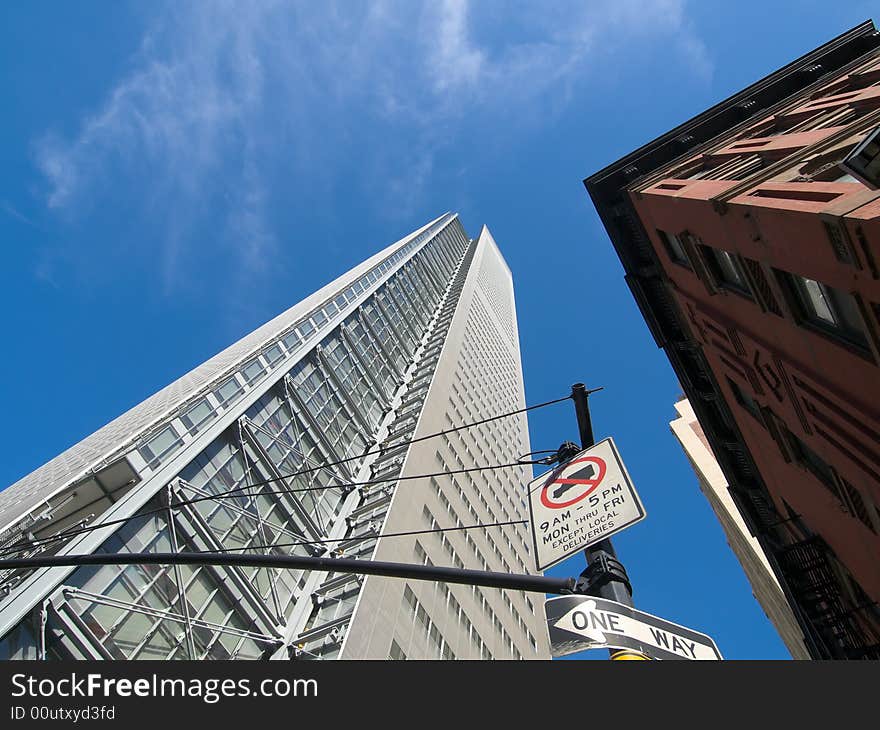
<point x="755" y="260"/>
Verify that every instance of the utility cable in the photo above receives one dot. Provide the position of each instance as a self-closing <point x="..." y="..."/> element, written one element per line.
<point x="237" y="494"/>
<point x="235" y="491"/>
<point x="323" y="541"/>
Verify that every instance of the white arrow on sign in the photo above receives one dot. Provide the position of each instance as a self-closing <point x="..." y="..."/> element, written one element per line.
<point x="599" y="623"/>
<point x="588" y="629"/>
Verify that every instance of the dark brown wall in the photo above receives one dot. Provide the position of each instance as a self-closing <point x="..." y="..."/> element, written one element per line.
<point x="785" y="216"/>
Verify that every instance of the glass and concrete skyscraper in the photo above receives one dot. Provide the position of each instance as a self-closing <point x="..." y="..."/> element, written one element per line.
<point x="417" y="339"/>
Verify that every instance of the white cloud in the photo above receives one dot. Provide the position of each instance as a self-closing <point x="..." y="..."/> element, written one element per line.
<point x="453" y="59"/>
<point x="224" y="97"/>
<point x="555" y="43"/>
<point x="10" y="210"/>
<point x="164" y="130"/>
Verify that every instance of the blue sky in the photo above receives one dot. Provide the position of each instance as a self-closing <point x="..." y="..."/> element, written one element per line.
<point x="175" y="174"/>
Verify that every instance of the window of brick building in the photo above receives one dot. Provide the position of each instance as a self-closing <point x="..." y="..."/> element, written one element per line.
<point x="726" y="270"/>
<point x="830" y="310"/>
<point x="674" y="248"/>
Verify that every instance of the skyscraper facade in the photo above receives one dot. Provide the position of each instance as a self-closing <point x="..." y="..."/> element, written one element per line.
<point x="296" y="440"/>
<point x="750" y="236"/>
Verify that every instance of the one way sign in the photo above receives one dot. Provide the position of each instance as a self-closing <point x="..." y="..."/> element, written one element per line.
<point x="584" y="622"/>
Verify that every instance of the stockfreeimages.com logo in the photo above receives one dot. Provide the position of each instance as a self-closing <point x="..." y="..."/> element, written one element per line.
<point x="208" y="690"/>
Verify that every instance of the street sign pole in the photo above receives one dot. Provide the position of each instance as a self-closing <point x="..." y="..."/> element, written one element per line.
<point x="605" y="575"/>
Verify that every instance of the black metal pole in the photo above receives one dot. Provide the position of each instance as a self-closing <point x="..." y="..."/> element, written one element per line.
<point x="489" y="579"/>
<point x="605" y="575"/>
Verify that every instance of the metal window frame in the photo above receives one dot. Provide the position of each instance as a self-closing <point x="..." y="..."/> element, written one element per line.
<point x="310" y="528"/>
<point x="357" y="358"/>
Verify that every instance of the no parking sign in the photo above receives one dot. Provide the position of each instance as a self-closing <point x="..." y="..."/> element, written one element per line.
<point x="580" y="503"/>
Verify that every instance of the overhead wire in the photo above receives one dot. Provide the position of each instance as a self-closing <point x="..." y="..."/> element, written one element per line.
<point x="344" y="538"/>
<point x="324" y="541"/>
<point x="237" y="491"/>
<point x="239" y="494"/>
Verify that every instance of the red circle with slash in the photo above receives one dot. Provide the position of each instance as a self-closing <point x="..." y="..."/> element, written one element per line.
<point x="572" y="483"/>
